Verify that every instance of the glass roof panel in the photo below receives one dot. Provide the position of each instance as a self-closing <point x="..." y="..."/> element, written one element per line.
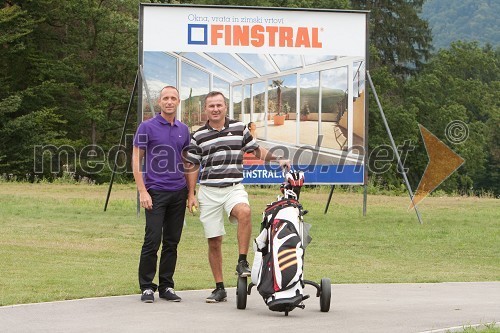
<point x="335" y="78"/>
<point x="314" y="59"/>
<point x="258" y="62"/>
<point x="287" y="61"/>
<point x="195" y="82"/>
<point x="230" y="62"/>
<point x="210" y="66"/>
<point x="160" y="70"/>
<point x="222" y="86"/>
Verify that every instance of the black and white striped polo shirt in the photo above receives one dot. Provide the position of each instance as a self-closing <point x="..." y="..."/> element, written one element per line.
<point x="220" y="153"/>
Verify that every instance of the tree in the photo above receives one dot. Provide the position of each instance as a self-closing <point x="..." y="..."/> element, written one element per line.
<point x="399" y="38"/>
<point x="76" y="59"/>
<point x="15" y="25"/>
<point x="404" y="128"/>
<point x="461" y="84"/>
<point x="399" y="45"/>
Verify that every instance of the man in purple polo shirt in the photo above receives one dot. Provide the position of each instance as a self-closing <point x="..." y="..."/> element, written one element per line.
<point x="162" y="193"/>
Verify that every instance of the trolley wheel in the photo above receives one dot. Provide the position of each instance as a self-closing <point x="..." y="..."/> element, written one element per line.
<point x="241" y="293"/>
<point x="326" y="295"/>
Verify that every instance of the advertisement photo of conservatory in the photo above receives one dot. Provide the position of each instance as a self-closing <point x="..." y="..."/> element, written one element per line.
<point x="307" y="103"/>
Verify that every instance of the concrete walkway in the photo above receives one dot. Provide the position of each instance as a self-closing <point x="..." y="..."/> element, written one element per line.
<point x="371" y="308"/>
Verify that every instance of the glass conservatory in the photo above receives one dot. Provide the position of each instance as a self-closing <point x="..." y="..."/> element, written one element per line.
<point x="295" y="101"/>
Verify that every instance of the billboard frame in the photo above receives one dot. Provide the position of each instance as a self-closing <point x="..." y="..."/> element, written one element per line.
<point x="140" y="105"/>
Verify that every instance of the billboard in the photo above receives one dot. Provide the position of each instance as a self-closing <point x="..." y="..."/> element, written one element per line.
<point x="298" y="75"/>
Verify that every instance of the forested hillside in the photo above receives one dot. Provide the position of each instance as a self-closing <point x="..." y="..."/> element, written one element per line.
<point x="466" y="20"/>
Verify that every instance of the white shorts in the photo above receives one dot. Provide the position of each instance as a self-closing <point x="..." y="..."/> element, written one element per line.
<point x="213" y="201"/>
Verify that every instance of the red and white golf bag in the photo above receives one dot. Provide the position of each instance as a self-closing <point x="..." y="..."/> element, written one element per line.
<point x="277" y="269"/>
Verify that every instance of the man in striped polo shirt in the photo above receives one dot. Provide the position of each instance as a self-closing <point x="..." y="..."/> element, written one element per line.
<point x="216" y="150"/>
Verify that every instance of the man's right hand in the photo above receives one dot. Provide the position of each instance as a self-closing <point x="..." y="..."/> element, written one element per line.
<point x="146" y="201"/>
<point x="192" y="203"/>
<point x="285" y="164"/>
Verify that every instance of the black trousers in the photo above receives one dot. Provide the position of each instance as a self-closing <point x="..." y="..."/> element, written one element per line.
<point x="164" y="224"/>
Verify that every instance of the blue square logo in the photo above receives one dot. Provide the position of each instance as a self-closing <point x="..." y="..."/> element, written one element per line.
<point x="198" y="34"/>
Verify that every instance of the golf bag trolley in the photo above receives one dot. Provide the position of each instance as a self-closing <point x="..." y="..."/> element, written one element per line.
<point x="277" y="270"/>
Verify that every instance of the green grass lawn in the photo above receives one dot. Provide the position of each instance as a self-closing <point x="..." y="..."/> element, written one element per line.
<point x="487" y="328"/>
<point x="57" y="243"/>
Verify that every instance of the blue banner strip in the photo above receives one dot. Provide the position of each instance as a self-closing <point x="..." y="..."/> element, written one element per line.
<point x="313" y="174"/>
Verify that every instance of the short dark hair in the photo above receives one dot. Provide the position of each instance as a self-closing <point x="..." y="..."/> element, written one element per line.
<point x="249" y="124"/>
<point x="213" y="94"/>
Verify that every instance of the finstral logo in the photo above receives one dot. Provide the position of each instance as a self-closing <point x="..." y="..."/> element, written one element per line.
<point x="197" y="34"/>
<point x="254" y="36"/>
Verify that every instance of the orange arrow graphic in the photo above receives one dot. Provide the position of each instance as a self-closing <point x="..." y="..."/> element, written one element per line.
<point x="442" y="163"/>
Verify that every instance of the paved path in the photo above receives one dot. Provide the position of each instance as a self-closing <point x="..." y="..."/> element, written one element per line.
<point x="371" y="308"/>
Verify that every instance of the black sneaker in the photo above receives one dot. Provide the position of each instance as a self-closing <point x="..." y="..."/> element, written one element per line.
<point x="242" y="269"/>
<point x="148" y="296"/>
<point x="170" y="295"/>
<point x="218" y="295"/>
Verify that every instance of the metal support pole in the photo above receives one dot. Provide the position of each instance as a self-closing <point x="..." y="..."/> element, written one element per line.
<point x="151" y="106"/>
<point x="329" y="199"/>
<point x="121" y="139"/>
<point x="400" y="165"/>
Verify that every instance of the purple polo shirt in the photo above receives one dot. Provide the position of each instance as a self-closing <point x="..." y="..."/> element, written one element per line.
<point x="163" y="144"/>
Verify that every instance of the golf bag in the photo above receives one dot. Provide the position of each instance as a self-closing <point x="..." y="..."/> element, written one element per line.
<point x="277" y="270"/>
